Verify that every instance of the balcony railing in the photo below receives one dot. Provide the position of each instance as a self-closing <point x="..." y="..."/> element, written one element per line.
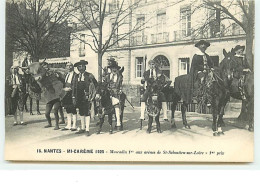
<point x="160" y="38"/>
<point x="139" y="40"/>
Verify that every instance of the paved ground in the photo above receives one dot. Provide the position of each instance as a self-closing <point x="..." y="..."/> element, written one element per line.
<point x="200" y="133"/>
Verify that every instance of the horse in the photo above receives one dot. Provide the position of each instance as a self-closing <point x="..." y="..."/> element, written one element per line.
<point x="33" y="92"/>
<point x="214" y="89"/>
<point x="232" y="84"/>
<point x="153" y="107"/>
<point x="104" y="106"/>
<point x="51" y="87"/>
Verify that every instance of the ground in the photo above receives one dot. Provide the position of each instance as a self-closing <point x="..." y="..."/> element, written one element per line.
<point x="236" y="139"/>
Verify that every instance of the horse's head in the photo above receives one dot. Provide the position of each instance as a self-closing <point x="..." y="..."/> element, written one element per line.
<point x="227" y="65"/>
<point x="37" y="70"/>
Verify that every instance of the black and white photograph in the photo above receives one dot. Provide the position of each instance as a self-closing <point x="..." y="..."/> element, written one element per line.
<point x="129" y="80"/>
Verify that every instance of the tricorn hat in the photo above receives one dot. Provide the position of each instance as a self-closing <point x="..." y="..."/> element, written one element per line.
<point x="238" y="47"/>
<point x="81" y="62"/>
<point x="202" y="42"/>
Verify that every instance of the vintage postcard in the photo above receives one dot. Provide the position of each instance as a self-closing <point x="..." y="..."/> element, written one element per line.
<point x="129" y="81"/>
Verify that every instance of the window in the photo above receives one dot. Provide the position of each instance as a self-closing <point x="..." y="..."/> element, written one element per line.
<point x="114" y="5"/>
<point x="235" y="29"/>
<point x="82" y="46"/>
<point x="185" y="21"/>
<point x="184" y="66"/>
<point x="114" y="30"/>
<point x="139" y="61"/>
<point x="214" y="20"/>
<point x="161" y="22"/>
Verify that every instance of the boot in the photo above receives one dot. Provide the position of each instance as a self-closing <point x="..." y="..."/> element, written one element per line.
<point x="164" y="108"/>
<point x="68" y="127"/>
<point x="142" y="110"/>
<point x="74" y="127"/>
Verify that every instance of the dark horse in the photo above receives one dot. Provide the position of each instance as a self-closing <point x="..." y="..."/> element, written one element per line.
<point x="232" y="84"/>
<point x="214" y="88"/>
<point x="33" y="92"/>
<point x="52" y="88"/>
<point x="104" y="106"/>
<point x="153" y="107"/>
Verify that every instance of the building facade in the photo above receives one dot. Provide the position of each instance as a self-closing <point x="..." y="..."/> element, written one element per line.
<point x="166" y="32"/>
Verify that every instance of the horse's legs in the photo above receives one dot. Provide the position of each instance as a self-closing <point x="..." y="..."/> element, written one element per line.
<point x="183" y="112"/>
<point x="61" y="115"/>
<point x="110" y="116"/>
<point x="215" y="116"/>
<point x="47" y="114"/>
<point x="31" y="113"/>
<point x="56" y="109"/>
<point x="221" y="113"/>
<point x="173" y="108"/>
<point x="122" y="115"/>
<point x="101" y="121"/>
<point x="150" y="121"/>
<point x="158" y="125"/>
<point x="38" y="107"/>
<point x="25" y="100"/>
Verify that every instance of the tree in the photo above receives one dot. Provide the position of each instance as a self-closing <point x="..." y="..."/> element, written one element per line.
<point x="93" y="16"/>
<point x="36" y="24"/>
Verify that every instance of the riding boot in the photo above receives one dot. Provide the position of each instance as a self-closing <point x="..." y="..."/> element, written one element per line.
<point x="142" y="110"/>
<point x="74" y="116"/>
<point x="164" y="108"/>
<point x="87" y="119"/>
<point x="68" y="127"/>
<point x="117" y="111"/>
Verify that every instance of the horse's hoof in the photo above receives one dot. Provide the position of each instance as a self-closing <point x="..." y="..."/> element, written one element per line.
<point x="110" y="131"/>
<point x="87" y="133"/>
<point x="221" y="133"/>
<point x="73" y="129"/>
<point x="117" y="128"/>
<point x="31" y="113"/>
<point x="215" y="134"/>
<point x="173" y="126"/>
<point x="250" y="129"/>
<point x="56" y="128"/>
<point x="47" y="126"/>
<point x="121" y="128"/>
<point x="24" y="124"/>
<point x="148" y="131"/>
<point x="166" y="120"/>
<point x="159" y="131"/>
<point x="187" y="126"/>
<point x="141" y="128"/>
<point x="39" y="113"/>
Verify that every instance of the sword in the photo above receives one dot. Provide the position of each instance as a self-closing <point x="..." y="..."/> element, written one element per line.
<point x="129" y="103"/>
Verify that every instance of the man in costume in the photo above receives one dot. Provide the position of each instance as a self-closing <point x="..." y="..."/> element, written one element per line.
<point x="67" y="99"/>
<point x="201" y="66"/>
<point x="82" y="94"/>
<point x="149" y="77"/>
<point x="18" y="93"/>
<point x="114" y="81"/>
<point x="241" y="67"/>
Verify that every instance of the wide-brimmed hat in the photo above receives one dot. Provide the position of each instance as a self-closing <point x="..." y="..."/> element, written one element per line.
<point x="81" y="62"/>
<point x="112" y="63"/>
<point x="238" y="47"/>
<point x="151" y="61"/>
<point x="202" y="42"/>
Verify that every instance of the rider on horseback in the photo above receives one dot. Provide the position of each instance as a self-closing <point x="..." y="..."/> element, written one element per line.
<point x="149" y="78"/>
<point x="241" y="68"/>
<point x="201" y="68"/>
<point x="114" y="80"/>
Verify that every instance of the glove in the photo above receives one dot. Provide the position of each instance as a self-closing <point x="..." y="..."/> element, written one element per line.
<point x="204" y="71"/>
<point x="246" y="70"/>
<point x="212" y="69"/>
